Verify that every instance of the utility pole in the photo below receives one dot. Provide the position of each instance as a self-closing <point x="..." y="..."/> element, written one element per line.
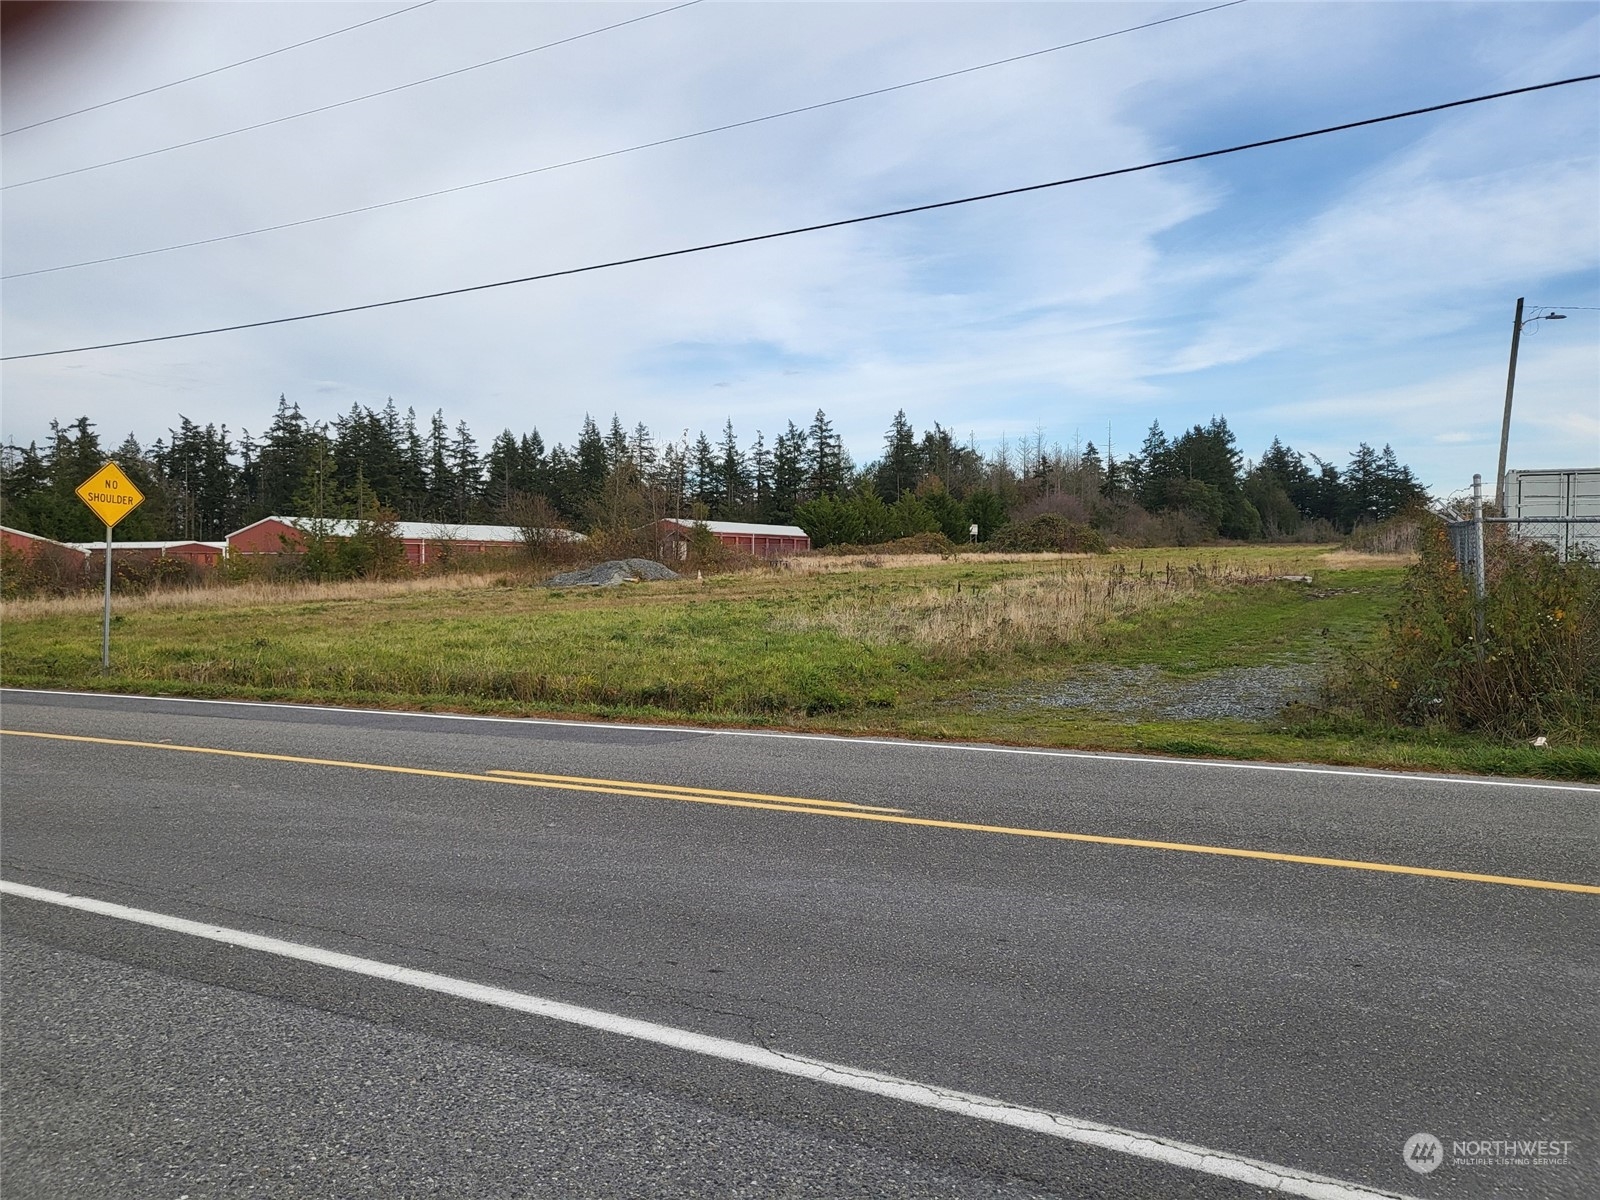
<point x="1511" y="383"/>
<point x="1505" y="421"/>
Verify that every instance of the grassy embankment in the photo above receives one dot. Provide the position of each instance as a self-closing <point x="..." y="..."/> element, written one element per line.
<point x="971" y="648"/>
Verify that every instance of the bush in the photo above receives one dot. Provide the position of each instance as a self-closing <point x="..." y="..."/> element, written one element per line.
<point x="1536" y="670"/>
<point x="1047" y="532"/>
<point x="1400" y="534"/>
<point x="920" y="543"/>
<point x="1129" y="524"/>
<point x="46" y="571"/>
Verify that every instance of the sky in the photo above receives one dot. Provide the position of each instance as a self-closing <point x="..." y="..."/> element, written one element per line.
<point x="1354" y="287"/>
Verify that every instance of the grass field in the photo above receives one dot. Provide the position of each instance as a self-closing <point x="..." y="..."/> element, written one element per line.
<point x="1093" y="652"/>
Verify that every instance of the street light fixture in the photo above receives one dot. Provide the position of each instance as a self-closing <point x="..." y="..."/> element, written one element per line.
<point x="1511" y="383"/>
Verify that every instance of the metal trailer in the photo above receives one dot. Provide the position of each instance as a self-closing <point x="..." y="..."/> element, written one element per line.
<point x="1558" y="507"/>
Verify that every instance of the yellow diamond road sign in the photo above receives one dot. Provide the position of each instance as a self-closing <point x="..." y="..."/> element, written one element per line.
<point x="110" y="494"/>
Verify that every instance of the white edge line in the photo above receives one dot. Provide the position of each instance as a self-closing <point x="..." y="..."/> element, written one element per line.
<point x="1171" y="1153"/>
<point x="894" y="743"/>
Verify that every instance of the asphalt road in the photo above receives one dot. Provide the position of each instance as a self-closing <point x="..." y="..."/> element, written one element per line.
<point x="1307" y="1014"/>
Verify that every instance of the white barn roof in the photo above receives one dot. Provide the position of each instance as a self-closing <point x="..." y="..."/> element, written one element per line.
<point x="742" y="528"/>
<point x="116" y="545"/>
<point x="425" y="531"/>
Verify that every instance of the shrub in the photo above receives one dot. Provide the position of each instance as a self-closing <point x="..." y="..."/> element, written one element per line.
<point x="920" y="543"/>
<point x="1399" y="534"/>
<point x="1046" y="532"/>
<point x="1131" y="525"/>
<point x="46" y="571"/>
<point x="829" y="521"/>
<point x="1535" y="671"/>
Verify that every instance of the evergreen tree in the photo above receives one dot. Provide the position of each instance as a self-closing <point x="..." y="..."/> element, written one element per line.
<point x="502" y="467"/>
<point x="985" y="510"/>
<point x="900" y="470"/>
<point x="1327" y="493"/>
<point x="535" y="477"/>
<point x="566" y="485"/>
<point x="617" y="448"/>
<point x="281" y="461"/>
<point x="593" y="460"/>
<point x="412" y="502"/>
<point x="829" y="521"/>
<point x="874" y="517"/>
<point x="200" y="476"/>
<point x="642" y="450"/>
<point x="466" y="472"/>
<point x="707" y="475"/>
<point x="948" y="512"/>
<point x="910" y="516"/>
<point x="24" y="487"/>
<point x="761" y="479"/>
<point x="1153" y="470"/>
<point x="674" y="476"/>
<point x="319" y="496"/>
<point x="1114" y="485"/>
<point x="1208" y="453"/>
<point x="1397" y="488"/>
<point x="789" y="457"/>
<point x="827" y="466"/>
<point x="959" y="467"/>
<point x="735" y="471"/>
<point x="442" y="489"/>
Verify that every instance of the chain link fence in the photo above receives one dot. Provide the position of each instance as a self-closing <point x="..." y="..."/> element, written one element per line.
<point x="1568" y="537"/>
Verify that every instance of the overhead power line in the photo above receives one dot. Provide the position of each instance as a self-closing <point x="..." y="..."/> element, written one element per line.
<point x="161" y="87"/>
<point x="839" y="224"/>
<point x="589" y="158"/>
<point x="388" y="91"/>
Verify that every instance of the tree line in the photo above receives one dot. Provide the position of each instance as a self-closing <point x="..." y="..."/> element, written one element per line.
<point x="201" y="482"/>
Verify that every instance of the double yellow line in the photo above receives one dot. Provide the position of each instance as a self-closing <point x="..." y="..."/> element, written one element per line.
<point x="820" y="808"/>
<point x="665" y="791"/>
<point x="534" y="779"/>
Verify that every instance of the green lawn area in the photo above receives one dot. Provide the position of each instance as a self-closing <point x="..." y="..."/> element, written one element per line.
<point x="967" y="648"/>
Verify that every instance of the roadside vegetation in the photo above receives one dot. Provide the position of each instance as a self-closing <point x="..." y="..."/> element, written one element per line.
<point x="1522" y="663"/>
<point x="970" y="646"/>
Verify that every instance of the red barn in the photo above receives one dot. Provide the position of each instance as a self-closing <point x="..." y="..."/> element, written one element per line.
<point x="200" y="554"/>
<point x="30" y="545"/>
<point x="424" y="541"/>
<point x="758" y="541"/>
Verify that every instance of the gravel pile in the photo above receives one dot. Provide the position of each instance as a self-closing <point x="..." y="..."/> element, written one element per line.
<point x="617" y="571"/>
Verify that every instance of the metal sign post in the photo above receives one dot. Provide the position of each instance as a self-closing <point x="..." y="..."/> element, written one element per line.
<point x="110" y="495"/>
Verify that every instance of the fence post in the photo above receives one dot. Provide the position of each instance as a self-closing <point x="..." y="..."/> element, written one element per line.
<point x="1477" y="564"/>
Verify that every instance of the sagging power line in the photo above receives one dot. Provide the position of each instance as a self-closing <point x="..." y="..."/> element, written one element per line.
<point x="667" y="141"/>
<point x="838" y="224"/>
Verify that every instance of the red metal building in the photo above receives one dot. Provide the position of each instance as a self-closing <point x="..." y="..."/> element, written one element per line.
<point x="31" y="544"/>
<point x="425" y="541"/>
<point x="758" y="541"/>
<point x="200" y="554"/>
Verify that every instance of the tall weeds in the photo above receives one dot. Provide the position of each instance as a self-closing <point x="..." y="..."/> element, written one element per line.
<point x="1028" y="613"/>
<point x="1535" y="670"/>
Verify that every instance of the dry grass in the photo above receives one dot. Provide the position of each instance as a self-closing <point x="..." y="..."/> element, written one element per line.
<point x="1360" y="560"/>
<point x="831" y="564"/>
<point x="1040" y="611"/>
<point x="253" y="594"/>
<point x="263" y="593"/>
